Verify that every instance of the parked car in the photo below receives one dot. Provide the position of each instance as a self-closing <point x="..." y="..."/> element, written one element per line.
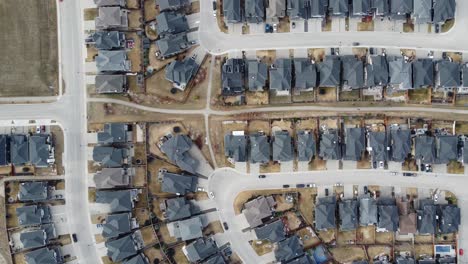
<point x="293" y="24"/>
<point x="394" y="173"/>
<point x="300" y="185"/>
<point x="356" y="44"/>
<point x="75" y="239"/>
<point x="211" y="195"/>
<point x="226" y="227"/>
<point x="310" y="185"/>
<point x="460" y="252"/>
<point x="326" y="192"/>
<point x="275" y="28"/>
<point x="261" y="176"/>
<point x="286" y="186"/>
<point x="366" y="190"/>
<point x="408" y="174"/>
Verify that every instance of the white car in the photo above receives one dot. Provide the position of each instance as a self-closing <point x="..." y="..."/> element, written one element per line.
<point x="211" y="195"/>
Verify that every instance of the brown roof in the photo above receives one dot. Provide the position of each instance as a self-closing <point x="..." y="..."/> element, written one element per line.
<point x="408" y="223"/>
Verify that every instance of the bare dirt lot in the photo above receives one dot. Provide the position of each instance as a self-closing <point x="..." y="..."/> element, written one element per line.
<point x="29" y="46"/>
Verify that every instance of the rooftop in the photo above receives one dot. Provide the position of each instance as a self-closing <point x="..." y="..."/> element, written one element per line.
<point x="177" y="147"/>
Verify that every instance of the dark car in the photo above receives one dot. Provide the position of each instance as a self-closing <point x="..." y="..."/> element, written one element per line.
<point x="300" y="185"/>
<point x="408" y="174"/>
<point x="365" y="190"/>
<point x="75" y="239"/>
<point x="326" y="192"/>
<point x="356" y="44"/>
<point x="226" y="227"/>
<point x="286" y="186"/>
<point x="262" y="176"/>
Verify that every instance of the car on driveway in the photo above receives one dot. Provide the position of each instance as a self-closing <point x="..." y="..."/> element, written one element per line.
<point x="286" y="186"/>
<point x="226" y="227"/>
<point x="75" y="239"/>
<point x="300" y="185"/>
<point x="262" y="176"/>
<point x="211" y="195"/>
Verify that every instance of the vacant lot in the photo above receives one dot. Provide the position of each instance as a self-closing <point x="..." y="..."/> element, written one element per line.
<point x="29" y="48"/>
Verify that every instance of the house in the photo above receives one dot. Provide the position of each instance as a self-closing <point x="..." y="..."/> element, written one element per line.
<point x="380" y="7"/>
<point x="44" y="256"/>
<point x="19" y="149"/>
<point x="180" y="73"/>
<point x="112" y="61"/>
<point x="111" y="18"/>
<point x="235" y="146"/>
<point x="423" y="73"/>
<point x="111" y="84"/>
<point x="306" y="148"/>
<point x="187" y="229"/>
<point x="257" y="75"/>
<point x="33" y="191"/>
<point x="427" y="217"/>
<point x="422" y="13"/>
<point x="259" y="148"/>
<point x="388" y="220"/>
<point x="401" y="72"/>
<point x="118" y="201"/>
<point x="448" y="74"/>
<point x="176" y="148"/>
<point x="232" y="11"/>
<point x="122" y="248"/>
<point x="325" y="213"/>
<point x="177" y="208"/>
<point x="443" y="10"/>
<point x="173" y="44"/>
<point x="289" y="249"/>
<point x="378" y="146"/>
<point x="275" y="9"/>
<point x="179" y="184"/>
<point x="200" y="249"/>
<point x="40" y="154"/>
<point x="330" y="147"/>
<point x="138" y="259"/>
<point x="355" y="143"/>
<point x="298" y="9"/>
<point x="282" y="147"/>
<point x="110" y="157"/>
<point x="258" y="209"/>
<point x="408" y="223"/>
<point x="172" y="5"/>
<point x="33" y="215"/>
<point x="305" y="259"/>
<point x="367" y="211"/>
<point x="446" y="149"/>
<point x="425" y="149"/>
<point x="400" y="143"/>
<point x="348" y="211"/>
<point x="449" y="218"/>
<point x="353" y="72"/>
<point x="465" y="152"/>
<point x="338" y="7"/>
<point x="215" y="259"/>
<point x="116" y="225"/>
<point x="108" y="40"/>
<point x="114" y="133"/>
<point x="399" y="8"/>
<point x="377" y="71"/>
<point x="361" y="7"/>
<point x="38" y="237"/>
<point x="281" y="77"/>
<point x="109" y="178"/>
<point x="330" y="72"/>
<point x="254" y="11"/>
<point x="305" y="73"/>
<point x="273" y="232"/>
<point x="232" y="77"/>
<point x="100" y="3"/>
<point x="171" y="23"/>
<point x="3" y="150"/>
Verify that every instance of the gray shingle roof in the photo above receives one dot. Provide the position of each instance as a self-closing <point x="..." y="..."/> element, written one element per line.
<point x="330" y="147"/>
<point x="171" y="23"/>
<point x="109" y="178"/>
<point x="259" y="148"/>
<point x="235" y="147"/>
<point x="171" y="45"/>
<point x="423" y="73"/>
<point x="122" y="248"/>
<point x="306" y="259"/>
<point x="39" y="150"/>
<point x="200" y="249"/>
<point x="177" y="148"/>
<point x="138" y="259"/>
<point x="449" y="218"/>
<point x="178" y="208"/>
<point x="257" y="75"/>
<point x="281" y="75"/>
<point x="111" y="17"/>
<point x="33" y="191"/>
<point x="305" y="145"/>
<point x="3" y="150"/>
<point x="338" y="7"/>
<point x="108" y="40"/>
<point x="377" y="71"/>
<point x="181" y="72"/>
<point x="401" y="73"/>
<point x="353" y="72"/>
<point x="400" y="144"/>
<point x="348" y="211"/>
<point x="298" y="9"/>
<point x="330" y="72"/>
<point x="258" y="209"/>
<point x="176" y="183"/>
<point x="119" y="201"/>
<point x="447" y="149"/>
<point x="254" y="11"/>
<point x="33" y="215"/>
<point x="378" y="143"/>
<point x="282" y="146"/>
<point x="425" y="149"/>
<point x="289" y="249"/>
<point x="112" y="61"/>
<point x="388" y="217"/>
<point x="274" y="232"/>
<point x="116" y="225"/>
<point x="355" y="143"/>
<point x="33" y="239"/>
<point x="187" y="229"/>
<point x="427" y="218"/>
<point x="110" y="2"/>
<point x="19" y="149"/>
<point x="401" y="7"/>
<point x="232" y="77"/>
<point x="171" y="4"/>
<point x="422" y="11"/>
<point x="318" y="8"/>
<point x="109" y="157"/>
<point x="232" y="11"/>
<point x="381" y="7"/>
<point x="43" y="256"/>
<point x="444" y="10"/>
<point x="367" y="211"/>
<point x="361" y="7"/>
<point x="305" y="74"/>
<point x="113" y="133"/>
<point x="106" y="83"/>
<point x="215" y="259"/>
<point x="325" y="213"/>
<point x="448" y="74"/>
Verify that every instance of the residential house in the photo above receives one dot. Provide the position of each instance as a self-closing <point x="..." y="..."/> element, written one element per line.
<point x="254" y="11"/>
<point x="216" y="259"/>
<point x="355" y="143"/>
<point x="113" y="61"/>
<point x="187" y="229"/>
<point x="259" y="148"/>
<point x="40" y="150"/>
<point x="338" y="7"/>
<point x="118" y="201"/>
<point x="465" y="152"/>
<point x="448" y="74"/>
<point x="443" y="10"/>
<point x="176" y="208"/>
<point x="111" y="18"/>
<point x="44" y="256"/>
<point x="377" y="71"/>
<point x="257" y="75"/>
<point x="401" y="72"/>
<point x="232" y="11"/>
<point x="235" y="146"/>
<point x="122" y="248"/>
<point x="378" y="147"/>
<point x="33" y="215"/>
<point x="353" y="72"/>
<point x="305" y="73"/>
<point x="305" y="259"/>
<point x="425" y="149"/>
<point x="258" y="209"/>
<point x="108" y="40"/>
<point x="180" y="73"/>
<point x="273" y="232"/>
<point x="449" y="218"/>
<point x="423" y="73"/>
<point x="3" y="150"/>
<point x="138" y="259"/>
<point x="232" y="77"/>
<point x="19" y="149"/>
<point x="116" y="225"/>
<point x="172" y="5"/>
<point x="110" y="157"/>
<point x="298" y="9"/>
<point x="289" y="249"/>
<point x="361" y="7"/>
<point x="318" y="8"/>
<point x="100" y="3"/>
<point x="388" y="220"/>
<point x="200" y="249"/>
<point x="171" y="23"/>
<point x="111" y="84"/>
<point x="179" y="184"/>
<point x="330" y="72"/>
<point x="109" y="178"/>
<point x="427" y="217"/>
<point x="400" y="144"/>
<point x="380" y="7"/>
<point x="306" y="145"/>
<point x="399" y="8"/>
<point x="367" y="211"/>
<point x="282" y="147"/>
<point x="34" y="191"/>
<point x="446" y="149"/>
<point x="115" y="133"/>
<point x="38" y="237"/>
<point x="281" y="77"/>
<point x="173" y="44"/>
<point x="422" y="13"/>
<point x="325" y="213"/>
<point x="176" y="148"/>
<point x="330" y="146"/>
<point x="408" y="223"/>
<point x="348" y="211"/>
<point x="275" y="9"/>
